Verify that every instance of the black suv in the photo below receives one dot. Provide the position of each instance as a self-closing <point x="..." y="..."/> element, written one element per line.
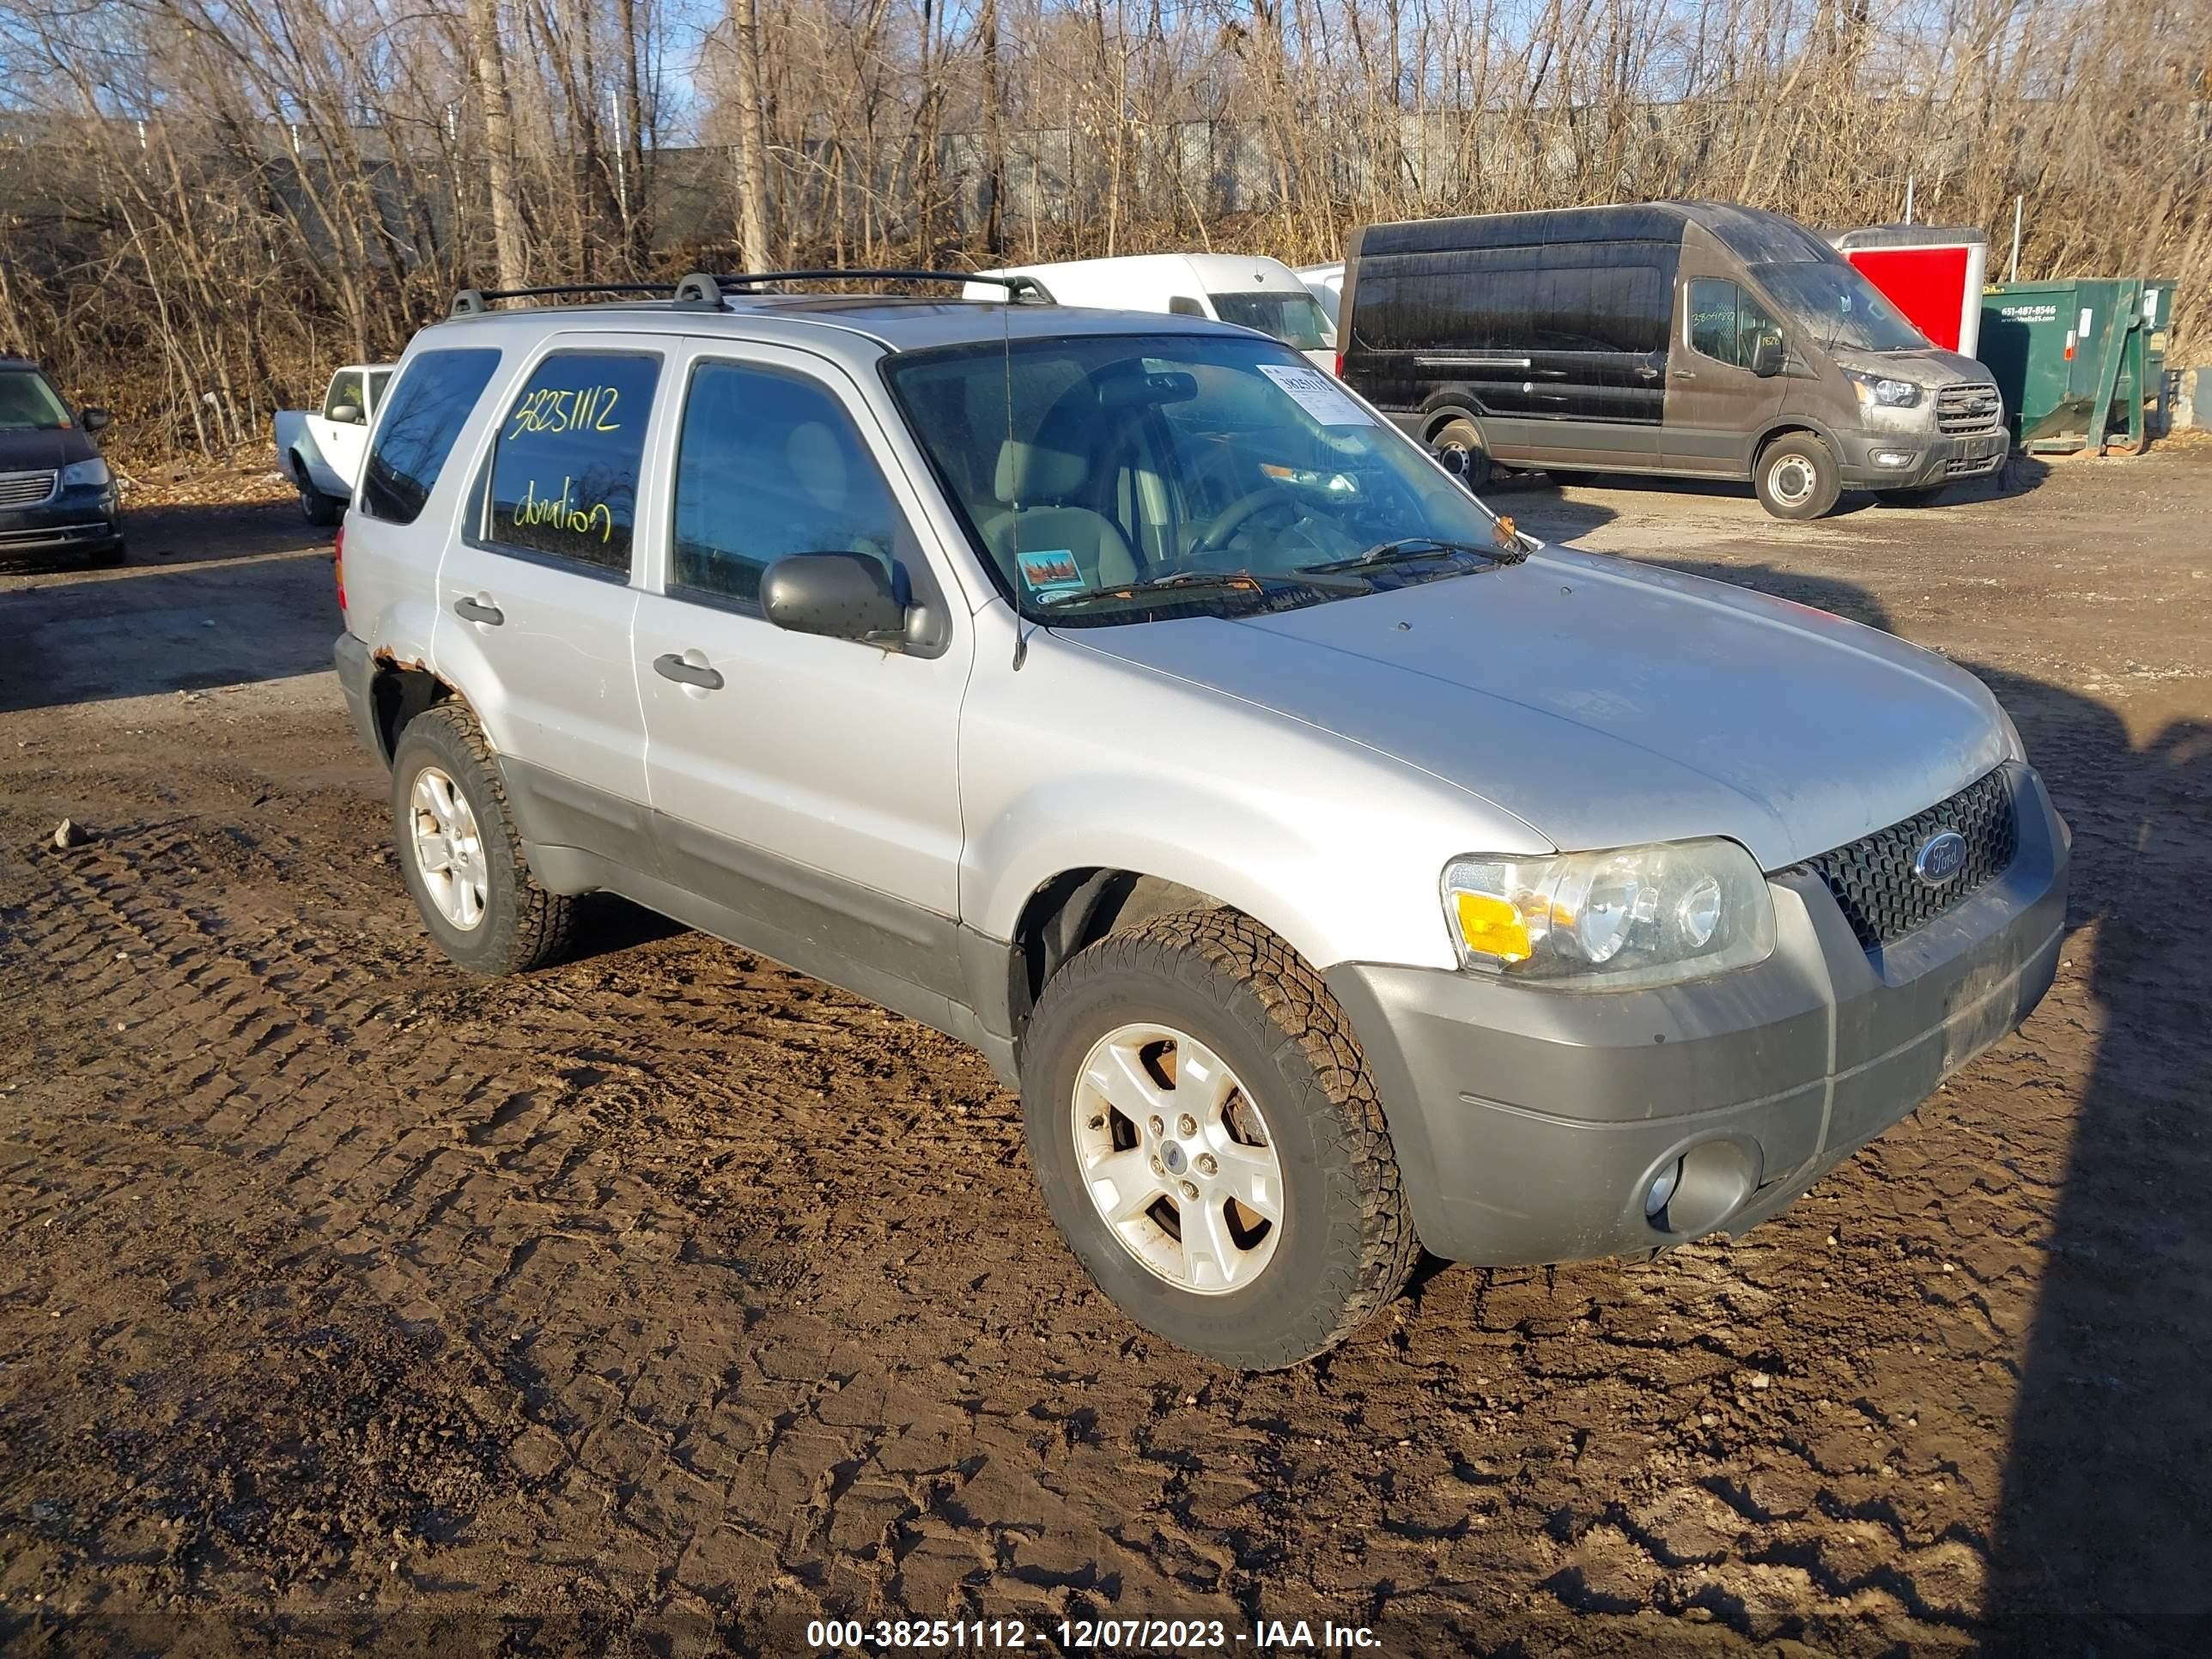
<point x="57" y="495"/>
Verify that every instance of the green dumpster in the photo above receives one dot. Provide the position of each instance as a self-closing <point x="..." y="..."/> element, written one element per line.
<point x="2074" y="359"/>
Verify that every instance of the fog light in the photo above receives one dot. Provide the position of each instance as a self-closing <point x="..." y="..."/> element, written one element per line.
<point x="1662" y="1189"/>
<point x="1894" y="457"/>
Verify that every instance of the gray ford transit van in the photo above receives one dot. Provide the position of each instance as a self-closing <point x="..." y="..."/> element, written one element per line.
<point x="1691" y="339"/>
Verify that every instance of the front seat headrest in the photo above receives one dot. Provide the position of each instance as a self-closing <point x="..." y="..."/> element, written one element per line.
<point x="1029" y="473"/>
<point x="817" y="461"/>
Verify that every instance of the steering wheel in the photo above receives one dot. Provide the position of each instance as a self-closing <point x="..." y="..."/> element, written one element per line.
<point x="1222" y="525"/>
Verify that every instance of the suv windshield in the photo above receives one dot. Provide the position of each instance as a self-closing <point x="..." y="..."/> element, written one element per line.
<point x="27" y="404"/>
<point x="1840" y="305"/>
<point x="1293" y="318"/>
<point x="1110" y="478"/>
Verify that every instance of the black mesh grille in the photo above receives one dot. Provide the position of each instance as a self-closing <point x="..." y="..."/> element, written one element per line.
<point x="1872" y="879"/>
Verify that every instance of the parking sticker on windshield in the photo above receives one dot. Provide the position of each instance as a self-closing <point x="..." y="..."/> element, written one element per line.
<point x="1048" y="572"/>
<point x="1318" y="395"/>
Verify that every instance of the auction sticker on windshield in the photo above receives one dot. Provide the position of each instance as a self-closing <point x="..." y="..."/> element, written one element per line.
<point x="1318" y="395"/>
<point x="1050" y="572"/>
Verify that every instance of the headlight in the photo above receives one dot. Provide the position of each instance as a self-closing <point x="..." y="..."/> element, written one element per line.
<point x="1880" y="389"/>
<point x="81" y="475"/>
<point x="1638" y="915"/>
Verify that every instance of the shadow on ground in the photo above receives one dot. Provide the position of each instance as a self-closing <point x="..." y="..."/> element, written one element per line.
<point x="149" y="628"/>
<point x="2112" y="1424"/>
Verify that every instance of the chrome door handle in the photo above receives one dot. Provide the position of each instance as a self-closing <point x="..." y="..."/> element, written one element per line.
<point x="471" y="610"/>
<point x="1685" y="374"/>
<point x="671" y="667"/>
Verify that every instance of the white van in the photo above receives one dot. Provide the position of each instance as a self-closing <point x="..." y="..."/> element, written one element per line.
<point x="1231" y="288"/>
<point x="1325" y="284"/>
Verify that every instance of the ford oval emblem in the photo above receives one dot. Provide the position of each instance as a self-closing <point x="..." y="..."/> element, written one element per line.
<point x="1941" y="857"/>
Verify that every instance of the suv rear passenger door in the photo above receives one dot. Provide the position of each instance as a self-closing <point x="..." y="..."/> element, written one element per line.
<point x="535" y="597"/>
<point x="808" y="785"/>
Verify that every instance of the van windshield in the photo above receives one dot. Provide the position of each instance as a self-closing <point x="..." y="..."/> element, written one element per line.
<point x="1841" y="308"/>
<point x="27" y="404"/>
<point x="1293" y="318"/>
<point x="1114" y="478"/>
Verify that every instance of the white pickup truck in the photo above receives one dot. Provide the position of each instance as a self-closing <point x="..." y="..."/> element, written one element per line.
<point x="321" y="450"/>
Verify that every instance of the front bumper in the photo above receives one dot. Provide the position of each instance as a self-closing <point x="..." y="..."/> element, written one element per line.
<point x="1530" y="1123"/>
<point x="1934" y="460"/>
<point x="74" y="521"/>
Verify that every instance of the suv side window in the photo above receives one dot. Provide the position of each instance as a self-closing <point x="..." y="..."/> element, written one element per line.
<point x="1726" y="323"/>
<point x="769" y="464"/>
<point x="429" y="409"/>
<point x="565" y="461"/>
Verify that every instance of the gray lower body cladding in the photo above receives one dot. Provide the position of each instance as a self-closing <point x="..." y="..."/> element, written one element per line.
<point x="1530" y="1123"/>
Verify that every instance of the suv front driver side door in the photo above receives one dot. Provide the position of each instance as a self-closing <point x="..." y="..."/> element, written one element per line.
<point x="809" y="785"/>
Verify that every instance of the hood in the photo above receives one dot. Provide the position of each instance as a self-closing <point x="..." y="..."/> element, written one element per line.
<point x="37" y="452"/>
<point x="1605" y="703"/>
<point x="1933" y="367"/>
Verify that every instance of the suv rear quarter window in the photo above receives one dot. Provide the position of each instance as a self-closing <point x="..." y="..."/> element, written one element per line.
<point x="565" y="460"/>
<point x="428" y="410"/>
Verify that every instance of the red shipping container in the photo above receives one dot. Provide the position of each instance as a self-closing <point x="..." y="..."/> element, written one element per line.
<point x="1932" y="273"/>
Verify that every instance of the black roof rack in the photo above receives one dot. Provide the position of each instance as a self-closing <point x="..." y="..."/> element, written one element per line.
<point x="1017" y="287"/>
<point x="701" y="290"/>
<point x="474" y="301"/>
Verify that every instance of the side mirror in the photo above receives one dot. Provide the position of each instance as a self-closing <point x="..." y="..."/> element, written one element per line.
<point x="92" y="420"/>
<point x="845" y="596"/>
<point x="346" y="414"/>
<point x="1768" y="357"/>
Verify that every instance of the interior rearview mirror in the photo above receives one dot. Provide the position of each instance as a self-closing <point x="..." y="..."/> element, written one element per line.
<point x="845" y="596"/>
<point x="1768" y="357"/>
<point x="346" y="414"/>
<point x="93" y="419"/>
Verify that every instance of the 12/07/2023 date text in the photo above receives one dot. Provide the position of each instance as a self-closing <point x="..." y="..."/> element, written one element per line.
<point x="1112" y="1636"/>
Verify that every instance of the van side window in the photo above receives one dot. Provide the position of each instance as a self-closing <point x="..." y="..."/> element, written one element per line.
<point x="1182" y="305"/>
<point x="1726" y="323"/>
<point x="769" y="464"/>
<point x="565" y="462"/>
<point x="428" y="409"/>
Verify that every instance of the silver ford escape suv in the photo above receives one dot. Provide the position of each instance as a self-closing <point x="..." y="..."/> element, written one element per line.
<point x="1335" y="872"/>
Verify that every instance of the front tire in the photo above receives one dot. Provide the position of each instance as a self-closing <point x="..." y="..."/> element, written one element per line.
<point x="463" y="863"/>
<point x="1797" y="478"/>
<point x="1206" y="1134"/>
<point x="108" y="558"/>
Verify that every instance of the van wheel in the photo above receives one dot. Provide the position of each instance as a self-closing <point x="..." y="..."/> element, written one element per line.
<point x="1798" y="477"/>
<point x="1458" y="446"/>
<point x="458" y="853"/>
<point x="1206" y="1136"/>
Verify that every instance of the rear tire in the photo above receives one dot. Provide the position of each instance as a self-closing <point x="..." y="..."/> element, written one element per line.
<point x="1284" y="1097"/>
<point x="1797" y="478"/>
<point x="318" y="509"/>
<point x="1458" y="446"/>
<point x="463" y="863"/>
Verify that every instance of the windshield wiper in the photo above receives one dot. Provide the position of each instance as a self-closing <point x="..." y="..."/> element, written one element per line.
<point x="1408" y="548"/>
<point x="1234" y="581"/>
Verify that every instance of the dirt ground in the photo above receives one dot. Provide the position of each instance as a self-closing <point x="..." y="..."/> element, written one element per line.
<point x="668" y="1299"/>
